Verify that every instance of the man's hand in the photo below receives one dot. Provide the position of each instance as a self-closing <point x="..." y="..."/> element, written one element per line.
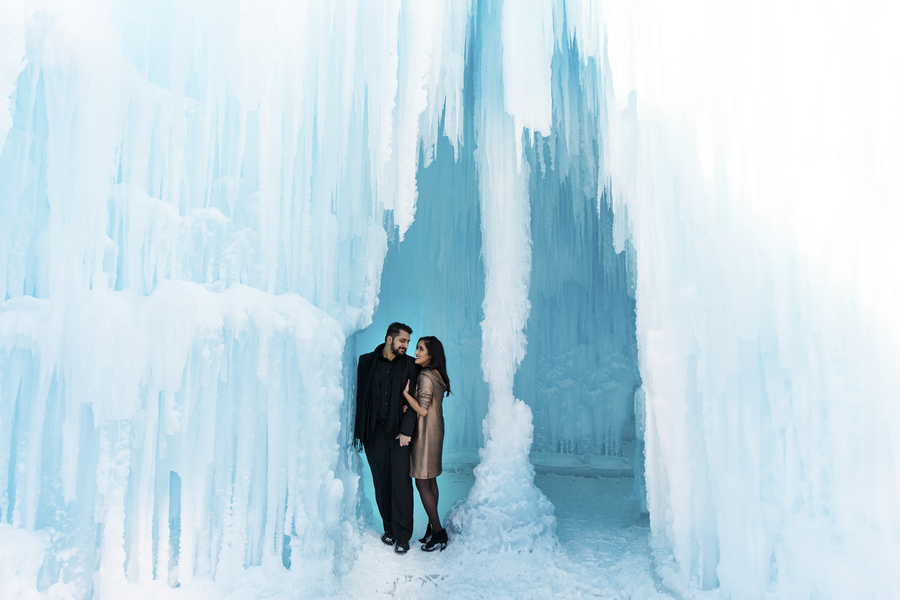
<point x="404" y="439"/>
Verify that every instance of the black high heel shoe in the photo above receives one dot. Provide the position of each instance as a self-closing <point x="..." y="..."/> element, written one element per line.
<point x="429" y="531"/>
<point x="438" y="539"/>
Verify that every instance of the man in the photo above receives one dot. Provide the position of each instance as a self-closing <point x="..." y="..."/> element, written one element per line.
<point x="384" y="429"/>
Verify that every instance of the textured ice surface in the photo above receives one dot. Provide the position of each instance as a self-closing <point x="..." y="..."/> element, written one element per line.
<point x="193" y="216"/>
<point x="762" y="208"/>
<point x="234" y="400"/>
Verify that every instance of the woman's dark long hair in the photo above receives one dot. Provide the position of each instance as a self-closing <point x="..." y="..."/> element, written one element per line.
<point x="438" y="360"/>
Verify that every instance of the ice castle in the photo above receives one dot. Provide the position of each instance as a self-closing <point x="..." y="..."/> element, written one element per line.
<point x="659" y="242"/>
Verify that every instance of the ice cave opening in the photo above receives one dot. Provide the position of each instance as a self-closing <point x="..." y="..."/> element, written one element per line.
<point x="580" y="375"/>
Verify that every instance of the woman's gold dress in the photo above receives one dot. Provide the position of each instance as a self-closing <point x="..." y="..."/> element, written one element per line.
<point x="428" y="441"/>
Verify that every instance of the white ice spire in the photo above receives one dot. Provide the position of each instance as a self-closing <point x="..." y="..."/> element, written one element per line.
<point x="504" y="509"/>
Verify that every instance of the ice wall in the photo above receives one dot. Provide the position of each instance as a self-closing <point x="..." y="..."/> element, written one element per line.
<point x="580" y="371"/>
<point x="194" y="207"/>
<point x="757" y="163"/>
<point x="434" y="280"/>
<point x="192" y="454"/>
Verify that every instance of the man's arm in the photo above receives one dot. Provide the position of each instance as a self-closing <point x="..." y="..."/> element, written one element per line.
<point x="359" y="421"/>
<point x="409" y="417"/>
<point x="359" y="379"/>
<point x="408" y="421"/>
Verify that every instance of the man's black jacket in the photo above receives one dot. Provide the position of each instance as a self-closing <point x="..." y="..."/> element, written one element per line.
<point x="398" y="421"/>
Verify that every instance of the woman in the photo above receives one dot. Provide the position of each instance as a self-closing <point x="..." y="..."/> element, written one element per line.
<point x="428" y="441"/>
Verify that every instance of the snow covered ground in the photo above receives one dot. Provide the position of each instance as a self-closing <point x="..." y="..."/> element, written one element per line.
<point x="603" y="550"/>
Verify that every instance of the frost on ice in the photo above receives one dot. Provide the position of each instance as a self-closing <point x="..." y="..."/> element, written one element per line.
<point x="640" y="227"/>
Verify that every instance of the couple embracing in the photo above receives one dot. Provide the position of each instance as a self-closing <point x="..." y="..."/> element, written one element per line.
<point x="400" y="424"/>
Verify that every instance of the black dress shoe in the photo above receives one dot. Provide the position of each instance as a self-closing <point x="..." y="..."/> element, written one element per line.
<point x="401" y="547"/>
<point x="388" y="539"/>
<point x="429" y="531"/>
<point x="438" y="540"/>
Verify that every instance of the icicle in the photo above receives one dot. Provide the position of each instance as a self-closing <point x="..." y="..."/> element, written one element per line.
<point x="112" y="479"/>
<point x="527" y="42"/>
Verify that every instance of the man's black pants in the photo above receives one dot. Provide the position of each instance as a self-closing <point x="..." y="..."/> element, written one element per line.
<point x="389" y="462"/>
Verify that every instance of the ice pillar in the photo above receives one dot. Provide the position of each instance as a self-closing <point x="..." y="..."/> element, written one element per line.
<point x="504" y="509"/>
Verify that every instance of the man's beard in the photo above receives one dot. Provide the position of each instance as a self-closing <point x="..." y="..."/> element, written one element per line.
<point x="397" y="349"/>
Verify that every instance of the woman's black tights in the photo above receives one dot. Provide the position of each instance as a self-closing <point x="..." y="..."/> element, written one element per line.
<point x="428" y="491"/>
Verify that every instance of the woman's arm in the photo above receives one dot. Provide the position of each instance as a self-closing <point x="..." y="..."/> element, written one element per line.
<point x="413" y="403"/>
<point x="424" y="392"/>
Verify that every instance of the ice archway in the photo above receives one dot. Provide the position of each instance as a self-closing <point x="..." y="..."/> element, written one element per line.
<point x="196" y="203"/>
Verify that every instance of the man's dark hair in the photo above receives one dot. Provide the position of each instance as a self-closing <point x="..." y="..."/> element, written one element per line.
<point x="395" y="328"/>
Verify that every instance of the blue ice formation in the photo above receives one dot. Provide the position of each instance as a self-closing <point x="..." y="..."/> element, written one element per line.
<point x="636" y="230"/>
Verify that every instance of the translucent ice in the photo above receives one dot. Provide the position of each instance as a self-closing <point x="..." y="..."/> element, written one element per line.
<point x="762" y="212"/>
<point x="194" y="210"/>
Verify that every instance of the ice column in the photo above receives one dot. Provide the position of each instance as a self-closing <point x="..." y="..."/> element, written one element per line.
<point x="504" y="509"/>
<point x="757" y="159"/>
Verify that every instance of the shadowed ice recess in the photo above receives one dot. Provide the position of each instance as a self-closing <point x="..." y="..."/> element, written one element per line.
<point x="654" y="238"/>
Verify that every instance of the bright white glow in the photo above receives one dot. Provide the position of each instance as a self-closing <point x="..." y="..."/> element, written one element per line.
<point x="763" y="219"/>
